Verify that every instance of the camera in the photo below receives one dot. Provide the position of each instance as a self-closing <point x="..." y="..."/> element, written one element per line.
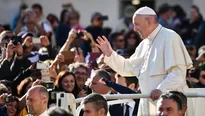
<point x="103" y="18"/>
<point x="9" y="99"/>
<point x="16" y="40"/>
<point x="80" y="34"/>
<point x="48" y="85"/>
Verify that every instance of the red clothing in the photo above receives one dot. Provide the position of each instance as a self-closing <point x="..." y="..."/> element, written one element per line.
<point x="79" y="27"/>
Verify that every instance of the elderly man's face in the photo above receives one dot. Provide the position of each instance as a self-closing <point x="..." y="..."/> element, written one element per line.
<point x="141" y="25"/>
<point x="168" y="107"/>
<point x="97" y="86"/>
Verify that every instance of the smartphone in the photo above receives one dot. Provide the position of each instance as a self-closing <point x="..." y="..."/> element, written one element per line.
<point x="41" y="66"/>
<point x="36" y="40"/>
<point x="48" y="85"/>
<point x="68" y="57"/>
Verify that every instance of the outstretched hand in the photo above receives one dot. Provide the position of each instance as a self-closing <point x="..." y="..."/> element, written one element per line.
<point x="104" y="45"/>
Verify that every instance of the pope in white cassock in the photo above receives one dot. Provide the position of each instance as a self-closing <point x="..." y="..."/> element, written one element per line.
<point x="159" y="62"/>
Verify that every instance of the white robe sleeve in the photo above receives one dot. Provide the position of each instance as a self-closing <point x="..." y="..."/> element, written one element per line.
<point x="125" y="67"/>
<point x="175" y="80"/>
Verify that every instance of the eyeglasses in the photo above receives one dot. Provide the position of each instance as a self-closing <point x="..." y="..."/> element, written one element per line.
<point x="80" y="74"/>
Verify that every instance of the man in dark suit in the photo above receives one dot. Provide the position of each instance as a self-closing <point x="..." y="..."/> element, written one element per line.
<point x="124" y="85"/>
<point x="96" y="86"/>
<point x="101" y="83"/>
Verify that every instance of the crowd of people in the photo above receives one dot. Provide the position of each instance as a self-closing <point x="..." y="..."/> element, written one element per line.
<point x="39" y="50"/>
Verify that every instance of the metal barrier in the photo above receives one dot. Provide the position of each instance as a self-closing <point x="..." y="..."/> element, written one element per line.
<point x="126" y="98"/>
<point x="117" y="99"/>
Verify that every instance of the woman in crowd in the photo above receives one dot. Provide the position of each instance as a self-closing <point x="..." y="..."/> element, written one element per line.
<point x="74" y="20"/>
<point x="12" y="107"/>
<point x="66" y="82"/>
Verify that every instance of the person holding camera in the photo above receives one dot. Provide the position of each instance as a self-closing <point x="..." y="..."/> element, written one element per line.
<point x="36" y="49"/>
<point x="74" y="35"/>
<point x="95" y="29"/>
<point x="12" y="105"/>
<point x="8" y="103"/>
<point x="12" y="56"/>
<point x="3" y="110"/>
<point x="71" y="40"/>
<point x="28" y="23"/>
<point x="3" y="95"/>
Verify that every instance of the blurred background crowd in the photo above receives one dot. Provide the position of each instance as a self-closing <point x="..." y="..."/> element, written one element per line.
<point x="59" y="52"/>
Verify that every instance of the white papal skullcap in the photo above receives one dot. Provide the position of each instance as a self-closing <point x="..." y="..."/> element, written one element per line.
<point x="145" y="11"/>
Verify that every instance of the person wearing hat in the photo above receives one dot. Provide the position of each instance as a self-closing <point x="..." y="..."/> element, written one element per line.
<point x="95" y="29"/>
<point x="159" y="62"/>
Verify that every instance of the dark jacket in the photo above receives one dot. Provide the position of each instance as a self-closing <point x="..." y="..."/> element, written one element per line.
<point x="62" y="34"/>
<point x="5" y="71"/>
<point x="198" y="85"/>
<point x="3" y="110"/>
<point x="117" y="110"/>
<point x="9" y="70"/>
<point x="95" y="32"/>
<point x="18" y="66"/>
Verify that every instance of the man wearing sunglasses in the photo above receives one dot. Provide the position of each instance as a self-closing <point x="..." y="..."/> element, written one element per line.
<point x="11" y="56"/>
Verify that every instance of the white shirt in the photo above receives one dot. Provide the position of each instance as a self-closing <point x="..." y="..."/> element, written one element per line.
<point x="45" y="113"/>
<point x="131" y="107"/>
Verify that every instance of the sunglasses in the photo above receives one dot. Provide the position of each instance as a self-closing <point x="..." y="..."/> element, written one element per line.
<point x="6" y="37"/>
